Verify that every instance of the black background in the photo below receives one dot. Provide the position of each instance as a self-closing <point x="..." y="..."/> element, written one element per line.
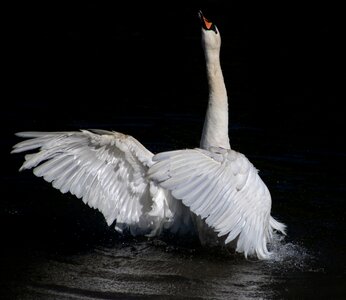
<point x="283" y="63"/>
<point x="133" y="67"/>
<point x="91" y="65"/>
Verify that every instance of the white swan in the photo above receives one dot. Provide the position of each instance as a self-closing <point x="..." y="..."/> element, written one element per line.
<point x="140" y="191"/>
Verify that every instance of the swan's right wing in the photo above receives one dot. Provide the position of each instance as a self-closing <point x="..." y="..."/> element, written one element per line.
<point x="106" y="169"/>
<point x="222" y="188"/>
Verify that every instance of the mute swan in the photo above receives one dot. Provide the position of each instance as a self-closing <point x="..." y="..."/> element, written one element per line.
<point x="141" y="192"/>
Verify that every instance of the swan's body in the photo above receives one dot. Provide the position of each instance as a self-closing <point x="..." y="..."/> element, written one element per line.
<point x="140" y="191"/>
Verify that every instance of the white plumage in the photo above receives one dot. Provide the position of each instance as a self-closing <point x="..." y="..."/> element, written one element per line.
<point x="219" y="189"/>
<point x="108" y="170"/>
<point x="223" y="188"/>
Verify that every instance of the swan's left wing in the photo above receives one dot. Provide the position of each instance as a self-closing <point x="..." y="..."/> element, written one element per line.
<point x="222" y="187"/>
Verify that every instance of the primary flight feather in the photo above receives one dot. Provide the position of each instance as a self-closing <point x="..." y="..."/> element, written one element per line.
<point x="212" y="190"/>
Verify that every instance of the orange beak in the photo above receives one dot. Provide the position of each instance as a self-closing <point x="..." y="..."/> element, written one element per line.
<point x="206" y="23"/>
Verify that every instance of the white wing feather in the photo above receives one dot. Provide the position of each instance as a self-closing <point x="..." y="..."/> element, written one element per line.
<point x="117" y="175"/>
<point x="223" y="188"/>
<point x="106" y="169"/>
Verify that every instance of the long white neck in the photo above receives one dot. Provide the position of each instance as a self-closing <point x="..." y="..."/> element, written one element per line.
<point x="215" y="129"/>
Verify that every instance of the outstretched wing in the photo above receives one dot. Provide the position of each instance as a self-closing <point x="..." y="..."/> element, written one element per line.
<point x="224" y="189"/>
<point x="106" y="169"/>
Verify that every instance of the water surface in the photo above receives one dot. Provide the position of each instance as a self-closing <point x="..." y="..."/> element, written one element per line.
<point x="58" y="248"/>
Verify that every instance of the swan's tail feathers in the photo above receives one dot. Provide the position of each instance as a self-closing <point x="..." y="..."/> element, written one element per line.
<point x="278" y="226"/>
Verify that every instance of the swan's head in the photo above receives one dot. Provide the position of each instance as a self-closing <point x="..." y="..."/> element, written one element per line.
<point x="211" y="39"/>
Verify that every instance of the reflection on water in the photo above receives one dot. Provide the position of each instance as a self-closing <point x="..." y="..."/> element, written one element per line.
<point x="138" y="269"/>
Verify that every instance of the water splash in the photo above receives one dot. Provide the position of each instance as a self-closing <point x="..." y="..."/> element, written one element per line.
<point x="289" y="256"/>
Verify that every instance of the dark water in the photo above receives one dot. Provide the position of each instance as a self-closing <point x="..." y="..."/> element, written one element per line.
<point x="143" y="270"/>
<point x="76" y="67"/>
<point x="57" y="248"/>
